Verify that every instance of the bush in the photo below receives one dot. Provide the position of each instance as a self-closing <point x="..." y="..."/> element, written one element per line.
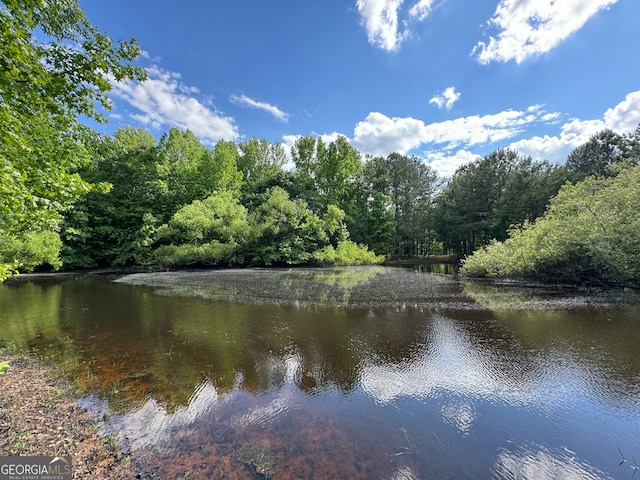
<point x="213" y="253"/>
<point x="590" y="232"/>
<point x="347" y="253"/>
<point x="23" y="254"/>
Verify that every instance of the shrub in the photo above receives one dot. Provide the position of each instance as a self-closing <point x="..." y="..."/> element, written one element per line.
<point x="590" y="232"/>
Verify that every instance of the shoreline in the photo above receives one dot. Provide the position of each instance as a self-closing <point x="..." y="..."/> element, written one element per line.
<point x="40" y="415"/>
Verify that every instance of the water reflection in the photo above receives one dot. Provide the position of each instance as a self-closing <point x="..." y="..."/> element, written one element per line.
<point x="456" y="362"/>
<point x="296" y="287"/>
<point x="339" y="373"/>
<point x="459" y="414"/>
<point x="591" y="333"/>
<point x="151" y="425"/>
<point x="536" y="462"/>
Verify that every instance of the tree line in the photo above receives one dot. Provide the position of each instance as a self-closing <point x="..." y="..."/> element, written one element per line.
<point x="590" y="233"/>
<point x="174" y="202"/>
<point x="73" y="198"/>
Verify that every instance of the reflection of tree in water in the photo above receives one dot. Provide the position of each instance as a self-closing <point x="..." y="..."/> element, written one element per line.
<point x="30" y="322"/>
<point x="181" y="340"/>
<point x="297" y="287"/>
<point x="533" y="329"/>
<point x="510" y="296"/>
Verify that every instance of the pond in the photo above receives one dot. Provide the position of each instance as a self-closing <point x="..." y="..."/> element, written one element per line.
<point x="364" y="372"/>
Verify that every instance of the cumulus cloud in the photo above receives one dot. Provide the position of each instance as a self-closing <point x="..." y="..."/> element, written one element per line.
<point x="379" y="135"/>
<point x="446" y="99"/>
<point x="446" y="163"/>
<point x="531" y="27"/>
<point x="250" y="102"/>
<point x="625" y="116"/>
<point x="163" y="100"/>
<point x="381" y="20"/>
<point x="448" y="145"/>
<point x="622" y="118"/>
<point x="556" y="148"/>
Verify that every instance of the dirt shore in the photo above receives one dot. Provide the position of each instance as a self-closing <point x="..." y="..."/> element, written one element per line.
<point x="39" y="415"/>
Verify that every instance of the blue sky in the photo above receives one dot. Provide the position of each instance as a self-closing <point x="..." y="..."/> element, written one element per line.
<point x="446" y="80"/>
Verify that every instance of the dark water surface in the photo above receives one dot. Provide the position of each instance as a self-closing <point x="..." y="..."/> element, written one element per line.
<point x="373" y="372"/>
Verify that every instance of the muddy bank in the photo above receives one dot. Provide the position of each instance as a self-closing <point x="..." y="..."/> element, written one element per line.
<point x="39" y="415"/>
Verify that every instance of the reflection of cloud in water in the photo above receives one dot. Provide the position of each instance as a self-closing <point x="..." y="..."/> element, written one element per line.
<point x="403" y="473"/>
<point x="460" y="415"/>
<point x="539" y="464"/>
<point x="152" y="426"/>
<point x="265" y="414"/>
<point x="453" y="363"/>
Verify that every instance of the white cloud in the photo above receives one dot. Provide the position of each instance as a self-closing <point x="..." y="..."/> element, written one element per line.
<point x="447" y="99"/>
<point x="531" y="27"/>
<point x="622" y="118"/>
<point x="164" y="101"/>
<point x="625" y="116"/>
<point x="421" y="9"/>
<point x="446" y="164"/>
<point x="381" y="20"/>
<point x="250" y="102"/>
<point x="450" y="144"/>
<point x="556" y="148"/>
<point x="380" y="135"/>
<point x="327" y="138"/>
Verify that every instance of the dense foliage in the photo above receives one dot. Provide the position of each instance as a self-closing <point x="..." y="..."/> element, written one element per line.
<point x="44" y="86"/>
<point x="72" y="198"/>
<point x="589" y="233"/>
<point x="486" y="197"/>
<point x="178" y="203"/>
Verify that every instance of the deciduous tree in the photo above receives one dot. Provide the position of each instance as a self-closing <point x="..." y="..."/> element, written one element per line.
<point x="46" y="81"/>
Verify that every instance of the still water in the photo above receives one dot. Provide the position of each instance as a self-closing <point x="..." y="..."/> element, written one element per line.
<point x="371" y="372"/>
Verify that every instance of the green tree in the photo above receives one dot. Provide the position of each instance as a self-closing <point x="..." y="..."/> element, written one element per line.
<point x="116" y="228"/>
<point x="183" y="155"/>
<point x="286" y="231"/>
<point x="253" y="194"/>
<point x="260" y="160"/>
<point x="632" y="151"/>
<point x="380" y="224"/>
<point x="207" y="232"/>
<point x="339" y="166"/>
<point x="485" y="198"/>
<point x="305" y="154"/>
<point x="44" y="86"/>
<point x="589" y="233"/>
<point x="526" y="194"/>
<point x="329" y="169"/>
<point x="194" y="171"/>
<point x="410" y="186"/>
<point x="596" y="155"/>
<point x="225" y="166"/>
